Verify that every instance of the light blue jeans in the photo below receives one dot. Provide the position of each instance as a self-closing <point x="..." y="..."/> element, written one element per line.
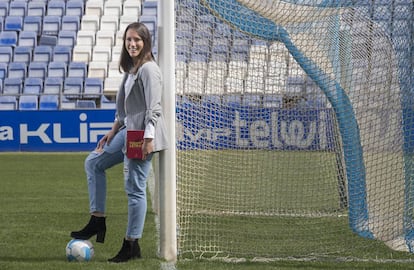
<point x="135" y="182"/>
<point x="96" y="163"/>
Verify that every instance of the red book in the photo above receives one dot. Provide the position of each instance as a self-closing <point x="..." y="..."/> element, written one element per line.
<point x="135" y="139"/>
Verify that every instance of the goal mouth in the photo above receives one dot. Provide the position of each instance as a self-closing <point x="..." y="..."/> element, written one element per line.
<point x="259" y="98"/>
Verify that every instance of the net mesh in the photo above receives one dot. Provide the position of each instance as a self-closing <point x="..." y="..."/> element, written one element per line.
<point x="290" y="129"/>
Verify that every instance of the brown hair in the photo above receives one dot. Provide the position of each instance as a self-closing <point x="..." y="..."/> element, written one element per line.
<point x="125" y="62"/>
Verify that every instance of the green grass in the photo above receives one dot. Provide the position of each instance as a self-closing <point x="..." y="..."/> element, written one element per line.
<point x="43" y="196"/>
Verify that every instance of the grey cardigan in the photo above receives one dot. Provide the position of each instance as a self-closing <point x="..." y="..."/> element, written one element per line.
<point x="141" y="103"/>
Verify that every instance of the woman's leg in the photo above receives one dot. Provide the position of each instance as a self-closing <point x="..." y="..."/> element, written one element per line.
<point x="96" y="165"/>
<point x="136" y="173"/>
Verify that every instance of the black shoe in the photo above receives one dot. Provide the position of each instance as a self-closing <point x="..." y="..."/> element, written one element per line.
<point x="96" y="226"/>
<point x="129" y="250"/>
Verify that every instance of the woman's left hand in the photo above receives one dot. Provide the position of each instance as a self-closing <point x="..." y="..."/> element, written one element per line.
<point x="147" y="148"/>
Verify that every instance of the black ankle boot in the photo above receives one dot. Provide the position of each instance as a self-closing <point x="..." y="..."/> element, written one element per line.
<point x="96" y="226"/>
<point x="129" y="250"/>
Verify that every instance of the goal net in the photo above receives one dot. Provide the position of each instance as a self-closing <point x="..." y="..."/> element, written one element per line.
<point x="292" y="134"/>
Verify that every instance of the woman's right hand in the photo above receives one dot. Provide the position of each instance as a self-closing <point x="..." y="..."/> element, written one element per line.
<point x="106" y="139"/>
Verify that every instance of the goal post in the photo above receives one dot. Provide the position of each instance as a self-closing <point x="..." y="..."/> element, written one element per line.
<point x="290" y="135"/>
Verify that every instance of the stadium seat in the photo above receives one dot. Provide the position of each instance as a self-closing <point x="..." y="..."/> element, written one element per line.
<point x="113" y="8"/>
<point x="113" y="69"/>
<point x="8" y="38"/>
<point x="131" y="8"/>
<point x="90" y="22"/>
<point x="4" y="9"/>
<point x="125" y="20"/>
<point x="57" y="69"/>
<point x="37" y="70"/>
<point x="51" y="25"/>
<point x="85" y="37"/>
<point x="97" y="69"/>
<point x="66" y="38"/>
<point x="94" y="7"/>
<point x="85" y="104"/>
<point x="33" y="24"/>
<point x="32" y="85"/>
<point x="73" y="87"/>
<point x="77" y="69"/>
<point x="105" y="38"/>
<point x="93" y="88"/>
<point x="109" y="23"/>
<point x="17" y="70"/>
<point x="12" y="86"/>
<point x="53" y="85"/>
<point x="3" y="70"/>
<point x="70" y="23"/>
<point x="28" y="103"/>
<point x="67" y="103"/>
<point x="150" y="7"/>
<point x="8" y="103"/>
<point x="101" y="53"/>
<point x="28" y="39"/>
<point x="17" y="8"/>
<point x="13" y="23"/>
<point x="111" y="85"/>
<point x="82" y="53"/>
<point x="62" y="53"/>
<point x="36" y="9"/>
<point x="42" y="53"/>
<point x="49" y="102"/>
<point x="6" y="54"/>
<point x="75" y="8"/>
<point x="48" y="40"/>
<point x="22" y="54"/>
<point x="56" y="8"/>
<point x="106" y="103"/>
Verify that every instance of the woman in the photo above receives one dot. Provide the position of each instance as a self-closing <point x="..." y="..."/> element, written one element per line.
<point x="138" y="107"/>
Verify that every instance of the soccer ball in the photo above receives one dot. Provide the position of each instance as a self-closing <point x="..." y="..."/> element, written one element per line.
<point x="79" y="250"/>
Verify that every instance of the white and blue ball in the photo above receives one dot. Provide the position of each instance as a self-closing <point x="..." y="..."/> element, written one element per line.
<point x="79" y="250"/>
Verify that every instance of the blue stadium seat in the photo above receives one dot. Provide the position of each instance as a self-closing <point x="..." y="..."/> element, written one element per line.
<point x="33" y="24"/>
<point x="85" y="104"/>
<point x="12" y="86"/>
<point x="70" y="23"/>
<point x="57" y="69"/>
<point x="28" y="103"/>
<point x="67" y="38"/>
<point x="4" y="8"/>
<point x="106" y="103"/>
<point x="53" y="85"/>
<point x="62" y="53"/>
<point x="22" y="54"/>
<point x="8" y="38"/>
<point x="17" y="70"/>
<point x="36" y="8"/>
<point x="3" y="70"/>
<point x="32" y="86"/>
<point x="8" y="103"/>
<point x="75" y="7"/>
<point x="6" y="54"/>
<point x="28" y="39"/>
<point x="56" y="8"/>
<point x="149" y="8"/>
<point x="51" y="25"/>
<point x="73" y="87"/>
<point x="48" y="40"/>
<point x="18" y="8"/>
<point x="49" y="102"/>
<point x="77" y="69"/>
<point x="37" y="70"/>
<point x="42" y="53"/>
<point x="93" y="88"/>
<point x="13" y="23"/>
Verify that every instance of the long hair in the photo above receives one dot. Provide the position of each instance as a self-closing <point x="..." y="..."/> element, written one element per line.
<point x="125" y="62"/>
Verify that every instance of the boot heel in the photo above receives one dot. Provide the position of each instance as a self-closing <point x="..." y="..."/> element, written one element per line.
<point x="100" y="236"/>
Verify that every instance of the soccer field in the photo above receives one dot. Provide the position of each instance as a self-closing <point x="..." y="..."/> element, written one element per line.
<point x="43" y="197"/>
